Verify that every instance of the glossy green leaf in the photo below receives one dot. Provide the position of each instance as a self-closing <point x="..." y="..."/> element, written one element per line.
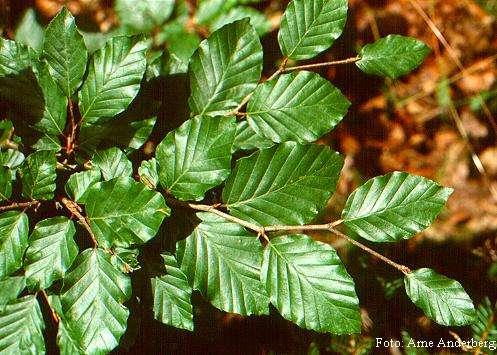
<point x="51" y="252"/>
<point x="298" y="106"/>
<point x="65" y="52"/>
<point x="112" y="163"/>
<point x="222" y="260"/>
<point x="224" y="69"/>
<point x="48" y="142"/>
<point x="126" y="259"/>
<point x="247" y="139"/>
<point x="14" y="230"/>
<point x="180" y="47"/>
<point x="53" y="121"/>
<point x="286" y="184"/>
<point x="172" y="294"/>
<point x="258" y="20"/>
<point x="148" y="173"/>
<point x="143" y="15"/>
<point x="309" y="27"/>
<point x="394" y="206"/>
<point x="14" y="57"/>
<point x="92" y="298"/>
<point x="392" y="56"/>
<point x="38" y="175"/>
<point x="197" y="156"/>
<point x="5" y="183"/>
<point x="114" y="77"/>
<point x="29" y="31"/>
<point x="309" y="285"/>
<point x="21" y="327"/>
<point x="442" y="299"/>
<point x="78" y="184"/>
<point x="123" y="212"/>
<point x="10" y="288"/>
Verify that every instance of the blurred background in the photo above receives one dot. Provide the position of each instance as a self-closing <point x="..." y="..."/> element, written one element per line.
<point x="439" y="122"/>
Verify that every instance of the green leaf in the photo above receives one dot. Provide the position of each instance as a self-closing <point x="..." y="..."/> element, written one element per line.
<point x="53" y="121"/>
<point x="126" y="259"/>
<point x="222" y="260"/>
<point x="258" y="20"/>
<point x="148" y="173"/>
<point x="78" y="184"/>
<point x="50" y="253"/>
<point x="247" y="139"/>
<point x="113" y="80"/>
<point x="392" y="56"/>
<point x="65" y="52"/>
<point x="5" y="183"/>
<point x="11" y="158"/>
<point x="394" y="206"/>
<point x="484" y="328"/>
<point x="224" y="69"/>
<point x="172" y="296"/>
<point x="10" y="288"/>
<point x="112" y="163"/>
<point x="309" y="27"/>
<point x="286" y="184"/>
<point x="298" y="106"/>
<point x="197" y="156"/>
<point x="123" y="212"/>
<point x="14" y="229"/>
<point x="309" y="285"/>
<point x="92" y="300"/>
<point x="38" y="175"/>
<point x="21" y="327"/>
<point x="180" y="47"/>
<point x="47" y="142"/>
<point x="29" y="31"/>
<point x="441" y="299"/>
<point x="14" y="57"/>
<point x="143" y="15"/>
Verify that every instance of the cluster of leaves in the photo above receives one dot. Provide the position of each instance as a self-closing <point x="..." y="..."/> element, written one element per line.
<point x="279" y="178"/>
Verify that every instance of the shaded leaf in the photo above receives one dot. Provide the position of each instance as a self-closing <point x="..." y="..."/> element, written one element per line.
<point x="50" y="253"/>
<point x="10" y="288"/>
<point x="92" y="300"/>
<point x="442" y="299"/>
<point x="394" y="206"/>
<point x="309" y="285"/>
<point x="298" y="106"/>
<point x="5" y="183"/>
<point x="172" y="296"/>
<point x="392" y="56"/>
<point x="78" y="184"/>
<point x="197" y="156"/>
<point x="309" y="27"/>
<point x="225" y="68"/>
<point x="247" y="139"/>
<point x="21" y="327"/>
<point x="65" y="52"/>
<point x="38" y="175"/>
<point x="286" y="184"/>
<point x="113" y="80"/>
<point x="148" y="173"/>
<point x="123" y="212"/>
<point x="14" y="229"/>
<point x="222" y="260"/>
<point x="11" y="158"/>
<point x="143" y="15"/>
<point x="257" y="19"/>
<point x="112" y="163"/>
<point x="14" y="57"/>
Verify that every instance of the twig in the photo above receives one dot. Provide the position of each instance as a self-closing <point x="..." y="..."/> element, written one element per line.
<point x="74" y="208"/>
<point x="261" y="231"/>
<point x="16" y="205"/>
<point x="53" y="313"/>
<point x="324" y="64"/>
<point x="72" y="129"/>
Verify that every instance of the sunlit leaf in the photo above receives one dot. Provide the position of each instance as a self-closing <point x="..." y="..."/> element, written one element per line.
<point x="112" y="163"/>
<point x="38" y="175"/>
<point x="14" y="230"/>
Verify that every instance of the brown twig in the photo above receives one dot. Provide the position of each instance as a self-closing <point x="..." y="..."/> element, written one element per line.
<point x="324" y="64"/>
<point x="20" y="205"/>
<point x="74" y="208"/>
<point x="262" y="231"/>
<point x="71" y="138"/>
<point x="53" y="313"/>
